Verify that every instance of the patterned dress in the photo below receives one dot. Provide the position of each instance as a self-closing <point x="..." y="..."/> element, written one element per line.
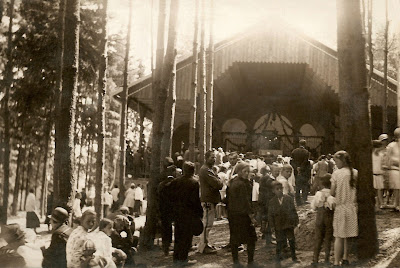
<point x="74" y="248"/>
<point x="345" y="223"/>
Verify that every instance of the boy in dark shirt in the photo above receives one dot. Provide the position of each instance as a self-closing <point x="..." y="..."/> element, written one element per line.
<point x="282" y="216"/>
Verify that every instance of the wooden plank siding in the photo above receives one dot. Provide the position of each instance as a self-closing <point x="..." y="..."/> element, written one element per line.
<point x="267" y="45"/>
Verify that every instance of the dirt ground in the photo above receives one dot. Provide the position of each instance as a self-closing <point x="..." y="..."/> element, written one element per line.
<point x="388" y="224"/>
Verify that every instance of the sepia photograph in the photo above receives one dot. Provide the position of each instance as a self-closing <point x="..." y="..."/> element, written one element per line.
<point x="199" y="133"/>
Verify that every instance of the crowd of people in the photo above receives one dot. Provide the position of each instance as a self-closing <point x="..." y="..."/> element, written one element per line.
<point x="248" y="190"/>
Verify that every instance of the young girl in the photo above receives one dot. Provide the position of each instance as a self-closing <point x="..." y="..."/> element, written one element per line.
<point x="78" y="237"/>
<point x="104" y="243"/>
<point x="240" y="214"/>
<point x="345" y="223"/>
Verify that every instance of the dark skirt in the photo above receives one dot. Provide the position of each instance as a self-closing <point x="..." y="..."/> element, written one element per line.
<point x="32" y="220"/>
<point x="242" y="231"/>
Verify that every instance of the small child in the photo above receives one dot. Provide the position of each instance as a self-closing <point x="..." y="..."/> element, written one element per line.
<point x="78" y="237"/>
<point x="104" y="244"/>
<point x="283" y="218"/>
<point x="323" y="203"/>
<point x="283" y="178"/>
<point x="88" y="259"/>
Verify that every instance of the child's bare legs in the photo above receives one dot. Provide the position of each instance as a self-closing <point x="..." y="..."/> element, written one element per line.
<point x="345" y="250"/>
<point x="339" y="244"/>
<point x="380" y="198"/>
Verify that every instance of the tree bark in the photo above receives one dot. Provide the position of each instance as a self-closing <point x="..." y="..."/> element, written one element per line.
<point x="355" y="122"/>
<point x="37" y="171"/>
<point x="101" y="106"/>
<point x="169" y="112"/>
<point x="370" y="54"/>
<point x="385" y="73"/>
<point x="8" y="79"/>
<point x="124" y="107"/>
<point x="78" y="171"/>
<point x="210" y="81"/>
<point x="57" y="100"/>
<point x="88" y="161"/>
<point x="65" y="143"/>
<point x="28" y="174"/>
<point x="203" y="89"/>
<point x="46" y="155"/>
<point x="164" y="69"/>
<point x="21" y="153"/>
<point x="193" y="108"/>
<point x="1" y="10"/>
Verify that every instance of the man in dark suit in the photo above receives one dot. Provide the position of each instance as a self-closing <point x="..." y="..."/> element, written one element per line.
<point x="283" y="218"/>
<point x="302" y="171"/>
<point x="187" y="210"/>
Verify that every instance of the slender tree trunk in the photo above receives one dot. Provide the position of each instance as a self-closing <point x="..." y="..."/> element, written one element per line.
<point x="203" y="88"/>
<point x="161" y="82"/>
<point x="1" y="10"/>
<point x="88" y="161"/>
<point x="385" y="73"/>
<point x="37" y="171"/>
<point x="355" y="122"/>
<point x="44" y="173"/>
<point x="79" y="162"/>
<point x="21" y="153"/>
<point x="8" y="79"/>
<point x="65" y="143"/>
<point x="101" y="106"/>
<point x="370" y="54"/>
<point x="28" y="174"/>
<point x="193" y="108"/>
<point x="398" y="81"/>
<point x="21" y="192"/>
<point x="169" y="114"/>
<point x="57" y="100"/>
<point x="210" y="79"/>
<point x="124" y="107"/>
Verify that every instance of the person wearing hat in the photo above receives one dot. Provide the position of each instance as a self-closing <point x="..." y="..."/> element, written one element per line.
<point x="391" y="167"/>
<point x="55" y="254"/>
<point x="130" y="198"/>
<point x="14" y="237"/>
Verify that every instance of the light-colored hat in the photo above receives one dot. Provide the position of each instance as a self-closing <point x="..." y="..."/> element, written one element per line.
<point x="383" y="137"/>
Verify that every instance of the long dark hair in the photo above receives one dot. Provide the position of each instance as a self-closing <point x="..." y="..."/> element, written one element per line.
<point x="345" y="158"/>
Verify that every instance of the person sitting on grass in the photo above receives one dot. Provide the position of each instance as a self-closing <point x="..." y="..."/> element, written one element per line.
<point x="104" y="244"/>
<point x="78" y="238"/>
<point x="122" y="238"/>
<point x="282" y="216"/>
<point x="323" y="203"/>
<point x="54" y="255"/>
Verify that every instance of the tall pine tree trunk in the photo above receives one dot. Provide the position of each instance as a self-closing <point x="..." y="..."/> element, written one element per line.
<point x="193" y="108"/>
<point x="210" y="81"/>
<point x="47" y="140"/>
<point x="78" y="171"/>
<point x="164" y="70"/>
<point x="124" y="107"/>
<point x="65" y="130"/>
<point x="370" y="53"/>
<point x="385" y="73"/>
<point x="202" y="87"/>
<point x="101" y="106"/>
<point x="57" y="99"/>
<point x="21" y="153"/>
<point x="8" y="79"/>
<point x="169" y="112"/>
<point x="39" y="158"/>
<point x="354" y="119"/>
<point x="28" y="174"/>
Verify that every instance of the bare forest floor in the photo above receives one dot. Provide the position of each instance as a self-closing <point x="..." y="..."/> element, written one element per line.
<point x="388" y="224"/>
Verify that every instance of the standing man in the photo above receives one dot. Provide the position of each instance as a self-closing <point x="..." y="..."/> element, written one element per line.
<point x="210" y="184"/>
<point x="115" y="193"/>
<point x="187" y="207"/>
<point x="233" y="159"/>
<point x="138" y="200"/>
<point x="302" y="171"/>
